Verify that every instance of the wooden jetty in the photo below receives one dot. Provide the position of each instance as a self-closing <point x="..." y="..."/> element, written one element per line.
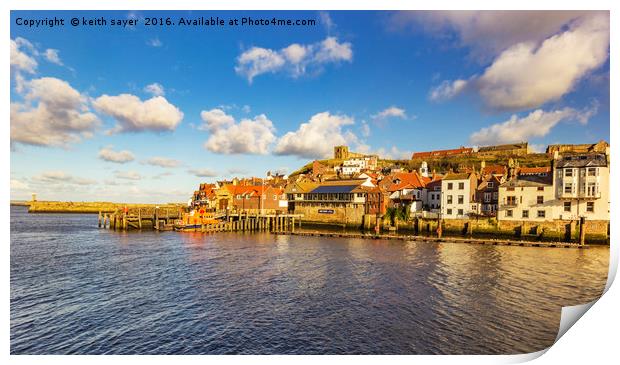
<point x="165" y="219"/>
<point x="157" y="218"/>
<point x="481" y="241"/>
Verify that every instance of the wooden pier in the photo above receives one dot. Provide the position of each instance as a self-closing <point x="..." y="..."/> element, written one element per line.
<point x="164" y="220"/>
<point x="160" y="219"/>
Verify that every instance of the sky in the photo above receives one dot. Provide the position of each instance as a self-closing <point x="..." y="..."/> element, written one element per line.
<point x="146" y="113"/>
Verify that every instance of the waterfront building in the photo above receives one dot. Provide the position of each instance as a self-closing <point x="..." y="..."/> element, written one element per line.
<point x="487" y="194"/>
<point x="257" y="198"/>
<point x="581" y="184"/>
<point x="433" y="195"/>
<point x="458" y="195"/>
<point x="346" y="201"/>
<point x="527" y="198"/>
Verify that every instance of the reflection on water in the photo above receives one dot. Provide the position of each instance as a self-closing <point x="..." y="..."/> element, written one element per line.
<point x="78" y="289"/>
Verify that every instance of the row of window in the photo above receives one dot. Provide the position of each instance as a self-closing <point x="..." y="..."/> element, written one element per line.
<point x="568" y="207"/>
<point x="461" y="186"/>
<point x="460" y="199"/>
<point x="526" y="213"/>
<point x="458" y="211"/>
<point x="570" y="172"/>
<point x="591" y="189"/>
<point x="512" y="200"/>
<point x="248" y="197"/>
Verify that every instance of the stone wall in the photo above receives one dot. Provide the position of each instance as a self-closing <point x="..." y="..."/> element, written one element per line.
<point x="352" y="215"/>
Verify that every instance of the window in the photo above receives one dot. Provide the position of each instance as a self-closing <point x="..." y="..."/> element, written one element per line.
<point x="460" y="199"/>
<point x="592" y="189"/>
<point x="568" y="172"/>
<point x="461" y="186"/>
<point x="460" y="212"/>
<point x="487" y="197"/>
<point x="540" y="199"/>
<point x="541" y="188"/>
<point x="568" y="188"/>
<point x="449" y="199"/>
<point x="525" y="214"/>
<point x="590" y="207"/>
<point x="510" y="189"/>
<point x="490" y="185"/>
<point x="511" y="200"/>
<point x="509" y="213"/>
<point x="449" y="186"/>
<point x="540" y="214"/>
<point x="592" y="171"/>
<point x="449" y="211"/>
<point x="495" y="195"/>
<point x="567" y="206"/>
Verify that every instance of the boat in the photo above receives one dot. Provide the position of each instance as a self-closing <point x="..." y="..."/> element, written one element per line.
<point x="194" y="220"/>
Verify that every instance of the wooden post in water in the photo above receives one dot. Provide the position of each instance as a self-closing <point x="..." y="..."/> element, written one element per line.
<point x="140" y="218"/>
<point x="156" y="223"/>
<point x="292" y="224"/>
<point x="582" y="231"/>
<point x="99" y="220"/>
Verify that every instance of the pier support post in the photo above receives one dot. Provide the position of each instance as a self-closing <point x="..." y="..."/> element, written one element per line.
<point x="582" y="231"/>
<point x="99" y="219"/>
<point x="292" y="224"/>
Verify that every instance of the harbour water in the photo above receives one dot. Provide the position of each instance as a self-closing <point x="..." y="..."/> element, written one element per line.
<point x="77" y="289"/>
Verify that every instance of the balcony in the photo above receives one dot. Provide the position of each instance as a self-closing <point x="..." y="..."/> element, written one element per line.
<point x="580" y="195"/>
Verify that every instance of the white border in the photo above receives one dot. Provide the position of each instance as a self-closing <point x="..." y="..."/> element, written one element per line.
<point x="592" y="340"/>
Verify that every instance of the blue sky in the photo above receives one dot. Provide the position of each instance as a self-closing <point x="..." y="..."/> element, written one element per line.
<point x="244" y="100"/>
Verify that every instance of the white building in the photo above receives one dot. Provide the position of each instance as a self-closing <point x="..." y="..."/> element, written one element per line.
<point x="581" y="184"/>
<point x="457" y="195"/>
<point x="355" y="165"/>
<point x="527" y="198"/>
<point x="578" y="187"/>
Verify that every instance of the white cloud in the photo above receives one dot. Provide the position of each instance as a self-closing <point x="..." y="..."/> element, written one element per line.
<point x="20" y="61"/>
<point x="128" y="175"/>
<point x="52" y="55"/>
<point x="528" y="75"/>
<point x="61" y="177"/>
<point x="135" y="115"/>
<point x="215" y="119"/>
<point x="51" y="114"/>
<point x="327" y="21"/>
<point x="18" y="185"/>
<point x="203" y="172"/>
<point x="317" y="137"/>
<point x="294" y="59"/>
<point x="163" y="162"/>
<point x="154" y="42"/>
<point x="249" y="136"/>
<point x="391" y="112"/>
<point x="546" y="62"/>
<point x="536" y="124"/>
<point x="447" y="90"/>
<point x="155" y="89"/>
<point x="487" y="33"/>
<point x="108" y="154"/>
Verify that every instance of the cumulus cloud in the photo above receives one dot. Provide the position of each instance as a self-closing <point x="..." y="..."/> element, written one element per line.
<point x="295" y="59"/>
<point x="52" y="113"/>
<point x="203" y="172"/>
<point x="536" y="124"/>
<point x="163" y="162"/>
<point x="52" y="55"/>
<point x="487" y="33"/>
<point x="546" y="62"/>
<point x="61" y="177"/>
<point x="19" y="185"/>
<point x="249" y="136"/>
<point x="391" y="112"/>
<point x="20" y="60"/>
<point x="317" y="137"/>
<point x="527" y="75"/>
<point x="134" y="115"/>
<point x="108" y="154"/>
<point x="447" y="90"/>
<point x="128" y="175"/>
<point x="155" y="89"/>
